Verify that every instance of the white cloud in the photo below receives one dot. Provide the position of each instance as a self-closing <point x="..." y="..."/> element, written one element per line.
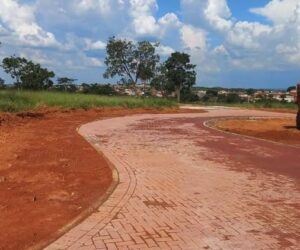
<point x="94" y="62"/>
<point x="144" y="23"/>
<point x="169" y="20"/>
<point x="98" y="45"/>
<point x="165" y="50"/>
<point x="76" y="31"/>
<point x="217" y="13"/>
<point x="248" y="35"/>
<point x="193" y="38"/>
<point x="20" y="19"/>
<point x="104" y="7"/>
<point x="279" y="11"/>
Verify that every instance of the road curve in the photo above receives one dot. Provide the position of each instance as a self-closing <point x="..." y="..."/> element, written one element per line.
<point x="182" y="185"/>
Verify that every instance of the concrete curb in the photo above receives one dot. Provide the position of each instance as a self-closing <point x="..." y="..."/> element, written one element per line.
<point x="92" y="208"/>
<point x="209" y="124"/>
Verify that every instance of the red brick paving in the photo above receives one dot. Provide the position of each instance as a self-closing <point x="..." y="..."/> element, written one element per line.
<point x="183" y="186"/>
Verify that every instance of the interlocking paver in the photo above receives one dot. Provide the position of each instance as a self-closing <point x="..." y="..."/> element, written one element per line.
<point x="179" y="189"/>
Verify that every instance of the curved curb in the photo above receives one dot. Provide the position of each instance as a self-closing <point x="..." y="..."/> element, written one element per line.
<point x="208" y="124"/>
<point x="88" y="211"/>
<point x="74" y="235"/>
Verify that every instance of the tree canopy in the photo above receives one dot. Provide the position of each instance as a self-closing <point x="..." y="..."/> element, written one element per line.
<point x="14" y="66"/>
<point x="129" y="61"/>
<point x="180" y="72"/>
<point x="66" y="82"/>
<point x="28" y="75"/>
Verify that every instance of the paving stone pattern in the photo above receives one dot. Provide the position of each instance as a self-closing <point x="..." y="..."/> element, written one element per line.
<point x="175" y="192"/>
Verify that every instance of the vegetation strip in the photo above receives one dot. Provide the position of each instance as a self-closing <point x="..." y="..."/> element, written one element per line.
<point x="14" y="101"/>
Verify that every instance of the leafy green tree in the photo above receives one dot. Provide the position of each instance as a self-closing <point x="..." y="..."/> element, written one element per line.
<point x="66" y="82"/>
<point x="98" y="89"/>
<point x="180" y="72"/>
<point x="160" y="81"/>
<point x="131" y="62"/>
<point x="233" y="98"/>
<point x="14" y="66"/>
<point x="28" y="75"/>
<point x="250" y="92"/>
<point x="147" y="60"/>
<point x="35" y="77"/>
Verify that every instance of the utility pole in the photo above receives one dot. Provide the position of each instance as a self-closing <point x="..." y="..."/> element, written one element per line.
<point x="298" y="102"/>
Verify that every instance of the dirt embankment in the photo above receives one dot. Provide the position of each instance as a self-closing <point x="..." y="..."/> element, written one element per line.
<point x="277" y="129"/>
<point x="48" y="173"/>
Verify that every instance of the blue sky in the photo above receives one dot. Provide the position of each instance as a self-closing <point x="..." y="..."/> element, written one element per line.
<point x="234" y="43"/>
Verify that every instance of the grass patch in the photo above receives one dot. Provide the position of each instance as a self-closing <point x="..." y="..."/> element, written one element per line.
<point x="257" y="105"/>
<point x="14" y="101"/>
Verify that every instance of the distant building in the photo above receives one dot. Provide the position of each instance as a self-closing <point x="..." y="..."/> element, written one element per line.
<point x="201" y="93"/>
<point x="222" y="92"/>
<point x="293" y="93"/>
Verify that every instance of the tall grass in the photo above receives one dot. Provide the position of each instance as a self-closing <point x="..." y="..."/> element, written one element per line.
<point x="14" y="101"/>
<point x="270" y="105"/>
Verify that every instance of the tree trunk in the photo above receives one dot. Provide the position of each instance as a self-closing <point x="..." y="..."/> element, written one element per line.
<point x="178" y="94"/>
<point x="298" y="102"/>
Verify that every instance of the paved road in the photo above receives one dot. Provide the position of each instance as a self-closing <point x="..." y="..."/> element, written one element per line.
<point x="185" y="186"/>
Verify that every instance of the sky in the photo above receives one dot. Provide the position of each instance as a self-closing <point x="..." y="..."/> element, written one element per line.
<point x="234" y="43"/>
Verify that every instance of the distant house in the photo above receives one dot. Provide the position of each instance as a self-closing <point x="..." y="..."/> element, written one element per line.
<point x="156" y="93"/>
<point x="289" y="98"/>
<point x="129" y="92"/>
<point x="259" y="95"/>
<point x="279" y="96"/>
<point x="244" y="96"/>
<point x="201" y="93"/>
<point x="223" y="92"/>
<point x="293" y="93"/>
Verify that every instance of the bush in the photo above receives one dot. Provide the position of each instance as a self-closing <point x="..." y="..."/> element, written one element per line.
<point x="98" y="89"/>
<point x="189" y="97"/>
<point x="230" y="98"/>
<point x="2" y="84"/>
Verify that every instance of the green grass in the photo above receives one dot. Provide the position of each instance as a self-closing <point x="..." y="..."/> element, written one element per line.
<point x="258" y="105"/>
<point x="15" y="101"/>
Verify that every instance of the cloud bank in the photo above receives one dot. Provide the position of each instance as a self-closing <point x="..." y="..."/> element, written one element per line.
<point x="70" y="36"/>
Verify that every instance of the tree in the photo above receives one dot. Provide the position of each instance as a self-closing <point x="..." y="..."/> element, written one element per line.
<point x="131" y="62"/>
<point x="2" y="83"/>
<point x="233" y="98"/>
<point x="14" y="66"/>
<point x="160" y="81"/>
<point x="28" y="75"/>
<point x="98" y="89"/>
<point x="147" y="61"/>
<point x="35" y="77"/>
<point x="250" y="91"/>
<point x="180" y="72"/>
<point x="65" y="82"/>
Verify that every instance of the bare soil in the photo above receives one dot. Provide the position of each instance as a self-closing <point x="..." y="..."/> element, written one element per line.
<point x="49" y="175"/>
<point x="281" y="130"/>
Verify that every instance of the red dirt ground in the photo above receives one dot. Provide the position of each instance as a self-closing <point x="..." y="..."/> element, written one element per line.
<point x="279" y="130"/>
<point x="48" y="173"/>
